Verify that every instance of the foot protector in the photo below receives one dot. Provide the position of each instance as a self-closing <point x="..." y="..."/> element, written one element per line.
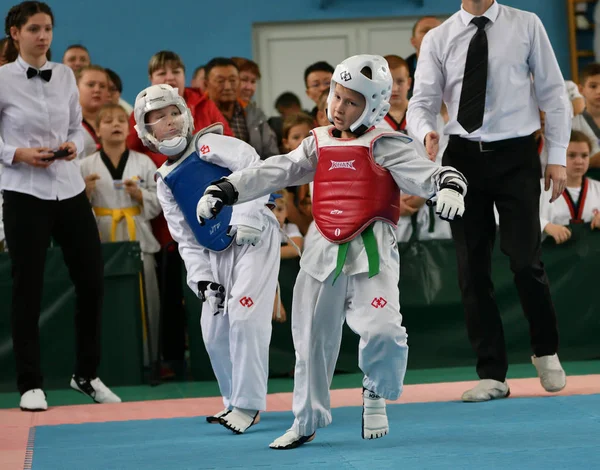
<point x="239" y="420"/>
<point x="374" y="417"/>
<point x="290" y="440"/>
<point x="215" y="418"/>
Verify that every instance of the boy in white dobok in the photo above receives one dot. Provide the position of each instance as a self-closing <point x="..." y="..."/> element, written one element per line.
<point x="350" y="271"/>
<point x="232" y="261"/>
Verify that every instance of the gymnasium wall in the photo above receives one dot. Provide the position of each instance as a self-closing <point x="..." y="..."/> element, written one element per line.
<point x="122" y="35"/>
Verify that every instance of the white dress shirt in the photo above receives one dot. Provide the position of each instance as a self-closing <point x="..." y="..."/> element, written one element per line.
<point x="518" y="48"/>
<point x="36" y="113"/>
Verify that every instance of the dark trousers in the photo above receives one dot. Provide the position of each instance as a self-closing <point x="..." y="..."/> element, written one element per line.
<point x="29" y="224"/>
<point x="509" y="177"/>
<point x="173" y="321"/>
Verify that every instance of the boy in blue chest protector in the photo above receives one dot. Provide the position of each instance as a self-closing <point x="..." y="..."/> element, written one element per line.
<point x="232" y="261"/>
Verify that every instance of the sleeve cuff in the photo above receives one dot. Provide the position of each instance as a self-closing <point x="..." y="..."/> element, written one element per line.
<point x="8" y="154"/>
<point x="557" y="156"/>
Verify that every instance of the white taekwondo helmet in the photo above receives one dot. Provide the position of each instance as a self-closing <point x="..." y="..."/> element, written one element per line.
<point x="377" y="90"/>
<point x="158" y="97"/>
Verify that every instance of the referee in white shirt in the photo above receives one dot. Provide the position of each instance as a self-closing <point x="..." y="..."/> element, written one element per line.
<point x="40" y="113"/>
<point x="494" y="67"/>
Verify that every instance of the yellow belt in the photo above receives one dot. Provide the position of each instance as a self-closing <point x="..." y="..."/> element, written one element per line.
<point x="117" y="215"/>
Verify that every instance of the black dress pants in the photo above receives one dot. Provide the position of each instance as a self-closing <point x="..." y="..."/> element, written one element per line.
<point x="29" y="224"/>
<point x="508" y="176"/>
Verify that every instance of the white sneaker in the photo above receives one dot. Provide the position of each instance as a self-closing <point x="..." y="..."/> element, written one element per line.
<point x="95" y="389"/>
<point x="374" y="417"/>
<point x="239" y="420"/>
<point x="290" y="440"/>
<point x="485" y="390"/>
<point x="551" y="374"/>
<point x="34" y="400"/>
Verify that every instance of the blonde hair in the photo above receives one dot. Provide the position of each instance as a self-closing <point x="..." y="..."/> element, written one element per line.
<point x="295" y="120"/>
<point x="107" y="108"/>
<point x="89" y="68"/>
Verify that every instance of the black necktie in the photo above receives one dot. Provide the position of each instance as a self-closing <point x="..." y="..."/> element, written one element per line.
<point x="45" y="74"/>
<point x="472" y="95"/>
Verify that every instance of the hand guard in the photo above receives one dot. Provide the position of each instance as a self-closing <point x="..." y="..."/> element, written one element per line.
<point x="450" y="204"/>
<point x="212" y="293"/>
<point x="449" y="200"/>
<point x="217" y="195"/>
<point x="247" y="235"/>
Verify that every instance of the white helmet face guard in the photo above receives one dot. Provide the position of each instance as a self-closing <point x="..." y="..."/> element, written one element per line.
<point x="174" y="140"/>
<point x="377" y="90"/>
<point x="169" y="133"/>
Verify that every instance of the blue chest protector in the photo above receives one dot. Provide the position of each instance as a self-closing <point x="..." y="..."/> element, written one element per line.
<point x="188" y="178"/>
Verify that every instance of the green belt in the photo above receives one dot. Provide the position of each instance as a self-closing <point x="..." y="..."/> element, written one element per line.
<point x="372" y="254"/>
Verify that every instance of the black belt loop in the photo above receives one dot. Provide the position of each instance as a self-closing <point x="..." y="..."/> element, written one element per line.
<point x="486" y="147"/>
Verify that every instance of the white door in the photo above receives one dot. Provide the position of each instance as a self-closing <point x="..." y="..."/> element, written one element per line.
<point x="387" y="37"/>
<point x="283" y="51"/>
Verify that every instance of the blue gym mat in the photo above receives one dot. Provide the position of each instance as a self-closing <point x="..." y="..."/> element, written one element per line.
<point x="528" y="433"/>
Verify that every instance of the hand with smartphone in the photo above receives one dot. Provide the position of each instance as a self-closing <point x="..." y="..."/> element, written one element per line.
<point x="42" y="157"/>
<point x="67" y="151"/>
<point x="56" y="154"/>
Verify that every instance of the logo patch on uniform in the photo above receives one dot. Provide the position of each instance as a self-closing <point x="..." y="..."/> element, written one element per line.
<point x="379" y="302"/>
<point x="336" y="212"/>
<point x="349" y="165"/>
<point x="345" y="76"/>
<point x="204" y="149"/>
<point x="214" y="228"/>
<point x="246" y="302"/>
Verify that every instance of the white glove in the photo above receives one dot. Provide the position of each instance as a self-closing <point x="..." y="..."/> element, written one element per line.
<point x="212" y="293"/>
<point x="247" y="235"/>
<point x="208" y="206"/>
<point x="449" y="204"/>
<point x="217" y="195"/>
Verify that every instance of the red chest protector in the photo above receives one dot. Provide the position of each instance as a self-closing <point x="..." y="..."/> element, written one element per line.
<point x="350" y="190"/>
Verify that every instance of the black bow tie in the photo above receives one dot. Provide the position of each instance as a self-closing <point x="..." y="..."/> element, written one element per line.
<point x="45" y="74"/>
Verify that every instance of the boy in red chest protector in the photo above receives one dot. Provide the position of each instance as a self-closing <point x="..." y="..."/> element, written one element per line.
<point x="350" y="271"/>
